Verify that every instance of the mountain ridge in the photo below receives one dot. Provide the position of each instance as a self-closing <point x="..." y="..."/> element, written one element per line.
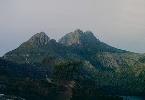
<point x="37" y="40"/>
<point x="80" y="59"/>
<point x="39" y="46"/>
<point x="77" y="37"/>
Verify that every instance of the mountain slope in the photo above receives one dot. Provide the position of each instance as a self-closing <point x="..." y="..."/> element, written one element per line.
<point x="87" y="46"/>
<point x="14" y="70"/>
<point x="78" y="37"/>
<point x="35" y="50"/>
<point x="86" y="40"/>
<point x="38" y="40"/>
<point x="77" y="44"/>
<point x="81" y="59"/>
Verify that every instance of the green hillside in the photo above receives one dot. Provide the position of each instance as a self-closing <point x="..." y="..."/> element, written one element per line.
<point x="82" y="63"/>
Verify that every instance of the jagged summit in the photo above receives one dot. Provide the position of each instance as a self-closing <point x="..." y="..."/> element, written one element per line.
<point x="78" y="37"/>
<point x="78" y="31"/>
<point x="74" y="44"/>
<point x="37" y="40"/>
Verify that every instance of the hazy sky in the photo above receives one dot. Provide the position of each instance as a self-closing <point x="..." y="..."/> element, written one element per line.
<point x="120" y="23"/>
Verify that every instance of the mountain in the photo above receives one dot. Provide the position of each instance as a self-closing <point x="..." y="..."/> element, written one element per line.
<point x="38" y="40"/>
<point x="87" y="47"/>
<point x="78" y="37"/>
<point x="86" y="40"/>
<point x="35" y="50"/>
<point x="77" y="44"/>
<point x="74" y="45"/>
<point x="83" y="60"/>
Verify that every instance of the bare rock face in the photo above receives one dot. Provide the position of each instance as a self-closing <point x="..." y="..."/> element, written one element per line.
<point x="78" y="37"/>
<point x="30" y="49"/>
<point x="71" y="38"/>
<point x="39" y="39"/>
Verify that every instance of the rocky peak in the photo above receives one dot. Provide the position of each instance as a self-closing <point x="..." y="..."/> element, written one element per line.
<point x="39" y="39"/>
<point x="78" y="37"/>
<point x="78" y="31"/>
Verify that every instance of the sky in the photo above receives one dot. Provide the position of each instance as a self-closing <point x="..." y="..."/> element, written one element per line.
<point x="119" y="23"/>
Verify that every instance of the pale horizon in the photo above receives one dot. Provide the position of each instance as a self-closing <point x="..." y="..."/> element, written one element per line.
<point x="119" y="23"/>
